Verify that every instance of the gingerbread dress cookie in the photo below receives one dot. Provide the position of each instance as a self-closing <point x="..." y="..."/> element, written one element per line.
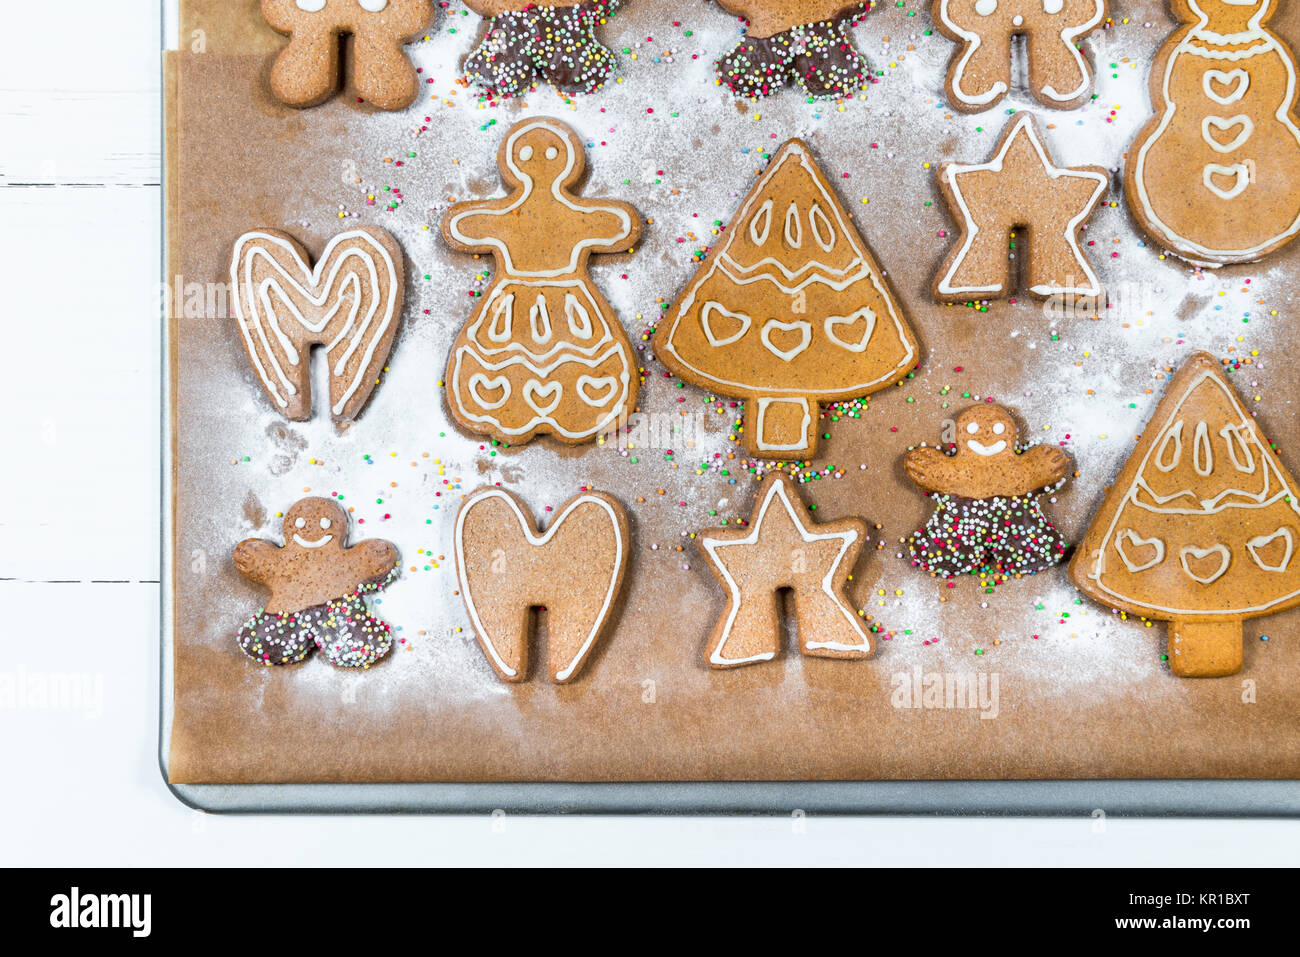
<point x="556" y="41"/>
<point x="544" y="352"/>
<point x="307" y="71"/>
<point x="987" y="518"/>
<point x="318" y="588"/>
<point x="804" y="41"/>
<point x="1215" y="174"/>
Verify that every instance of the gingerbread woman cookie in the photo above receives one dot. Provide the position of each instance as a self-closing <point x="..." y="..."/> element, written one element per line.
<point x="574" y="571"/>
<point x="790" y="312"/>
<point x="544" y="352"/>
<point x="318" y="588"/>
<point x="1200" y="528"/>
<point x="307" y="71"/>
<point x="987" y="519"/>
<point x="557" y="42"/>
<point x="350" y="304"/>
<point x="783" y="548"/>
<point x="979" y="74"/>
<point x="1021" y="188"/>
<point x="805" y="41"/>
<point x="1215" y="174"/>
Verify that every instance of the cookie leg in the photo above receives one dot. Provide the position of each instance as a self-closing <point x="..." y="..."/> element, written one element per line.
<point x="755" y="67"/>
<point x="349" y="636"/>
<point x="499" y="63"/>
<point x="272" y="639"/>
<point x="384" y="75"/>
<point x="827" y="63"/>
<point x="307" y="71"/>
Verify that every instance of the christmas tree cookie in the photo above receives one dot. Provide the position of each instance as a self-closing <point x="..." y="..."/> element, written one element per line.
<point x="525" y="40"/>
<point x="987" y="519"/>
<point x="1200" y="528"/>
<point x="789" y="312"/>
<point x="1021" y="189"/>
<point x="1215" y="174"/>
<point x="805" y="41"/>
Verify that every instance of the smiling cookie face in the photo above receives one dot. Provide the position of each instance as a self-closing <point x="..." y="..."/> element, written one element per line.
<point x="986" y="431"/>
<point x="315" y="523"/>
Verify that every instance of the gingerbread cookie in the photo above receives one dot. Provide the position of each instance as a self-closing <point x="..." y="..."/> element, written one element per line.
<point x="317" y="586"/>
<point x="783" y="548"/>
<point x="987" y="517"/>
<point x="1200" y="529"/>
<point x="1215" y="174"/>
<point x="525" y="40"/>
<point x="1021" y="188"/>
<point x="543" y="352"/>
<point x="307" y="71"/>
<point x="979" y="73"/>
<point x="351" y="304"/>
<point x="805" y="41"/>
<point x="790" y="312"/>
<point x="508" y="568"/>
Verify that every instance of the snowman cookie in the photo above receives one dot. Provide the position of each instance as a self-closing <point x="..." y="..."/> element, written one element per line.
<point x="979" y="73"/>
<point x="543" y="352"/>
<point x="987" y="518"/>
<point x="804" y="41"/>
<point x="317" y="590"/>
<point x="1215" y="174"/>
<point x="307" y="71"/>
<point x="525" y="40"/>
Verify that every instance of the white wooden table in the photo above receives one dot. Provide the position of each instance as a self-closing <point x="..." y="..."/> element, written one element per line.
<point x="79" y="544"/>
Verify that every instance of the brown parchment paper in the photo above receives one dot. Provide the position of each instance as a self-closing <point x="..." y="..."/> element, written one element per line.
<point x="1079" y="693"/>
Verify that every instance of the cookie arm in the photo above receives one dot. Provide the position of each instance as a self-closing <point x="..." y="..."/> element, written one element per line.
<point x="372" y="560"/>
<point x="1041" y="466"/>
<point x="930" y="469"/>
<point x="256" y="559"/>
<point x="617" y="226"/>
<point x="475" y="226"/>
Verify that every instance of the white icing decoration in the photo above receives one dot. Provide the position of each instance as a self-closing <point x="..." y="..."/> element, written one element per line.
<point x="1174" y="435"/>
<point x="551" y="152"/>
<point x="1202" y="454"/>
<point x="300" y="522"/>
<point x="373" y="6"/>
<point x="777" y="490"/>
<point x="793" y="227"/>
<point x="1224" y="124"/>
<point x="1233" y="439"/>
<point x="538" y="541"/>
<point x="986" y="8"/>
<point x="525" y="154"/>
<point x="979" y="448"/>
<point x="311" y="6"/>
<point x="833" y="323"/>
<point x="503" y="250"/>
<point x="1018" y="20"/>
<point x="479" y="381"/>
<point x="776" y="325"/>
<point x="1262" y="43"/>
<point x="999" y="428"/>
<point x="706" y="314"/>
<point x="580" y="325"/>
<point x="1053" y="6"/>
<point x="767" y="270"/>
<point x="576" y="287"/>
<point x="1199" y="553"/>
<point x="972" y="428"/>
<point x="1238" y="79"/>
<point x="325" y="523"/>
<point x="818" y="222"/>
<point x="533" y="389"/>
<point x="501" y="326"/>
<point x="1263" y="541"/>
<point x="1140" y="542"/>
<point x="586" y="383"/>
<point x="255" y="311"/>
<point x="763" y="216"/>
<point x="539" y="320"/>
<point x="1022" y="126"/>
<point x="763" y="403"/>
<point x="318" y="543"/>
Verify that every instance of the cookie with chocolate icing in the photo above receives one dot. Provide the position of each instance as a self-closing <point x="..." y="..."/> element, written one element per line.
<point x="801" y="41"/>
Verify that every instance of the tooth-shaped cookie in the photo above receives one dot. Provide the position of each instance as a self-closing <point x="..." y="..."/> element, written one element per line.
<point x="507" y="568"/>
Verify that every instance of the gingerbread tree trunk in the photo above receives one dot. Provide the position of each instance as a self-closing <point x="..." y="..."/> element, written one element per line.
<point x="1200" y="528"/>
<point x="790" y="312"/>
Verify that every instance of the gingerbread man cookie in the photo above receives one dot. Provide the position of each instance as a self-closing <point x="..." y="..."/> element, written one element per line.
<point x="783" y="548"/>
<point x="987" y="519"/>
<point x="805" y="41"/>
<point x="1021" y="188"/>
<point x="307" y="71"/>
<point x="979" y="74"/>
<point x="351" y="304"/>
<point x="317" y="590"/>
<point x="508" y="568"/>
<point x="557" y="42"/>
<point x="789" y="313"/>
<point x="1200" y="528"/>
<point x="1215" y="174"/>
<point x="544" y="352"/>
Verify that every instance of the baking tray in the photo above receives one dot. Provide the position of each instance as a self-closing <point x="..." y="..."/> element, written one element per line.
<point x="1199" y="797"/>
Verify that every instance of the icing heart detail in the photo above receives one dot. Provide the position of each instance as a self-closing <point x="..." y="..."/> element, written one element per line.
<point x="1213" y="127"/>
<point x="586" y="383"/>
<point x="1237" y="81"/>
<point x="1261" y="542"/>
<point x="533" y="389"/>
<point x="506" y="567"/>
<point x="776" y="325"/>
<point x="1137" y="540"/>
<point x="1199" y="554"/>
<point x="1240" y="171"/>
<point x="706" y="322"/>
<point x="834" y="324"/>
<point x="478" y="382"/>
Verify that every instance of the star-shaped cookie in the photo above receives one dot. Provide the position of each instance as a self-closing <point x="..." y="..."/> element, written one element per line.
<point x="783" y="548"/>
<point x="1020" y="190"/>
